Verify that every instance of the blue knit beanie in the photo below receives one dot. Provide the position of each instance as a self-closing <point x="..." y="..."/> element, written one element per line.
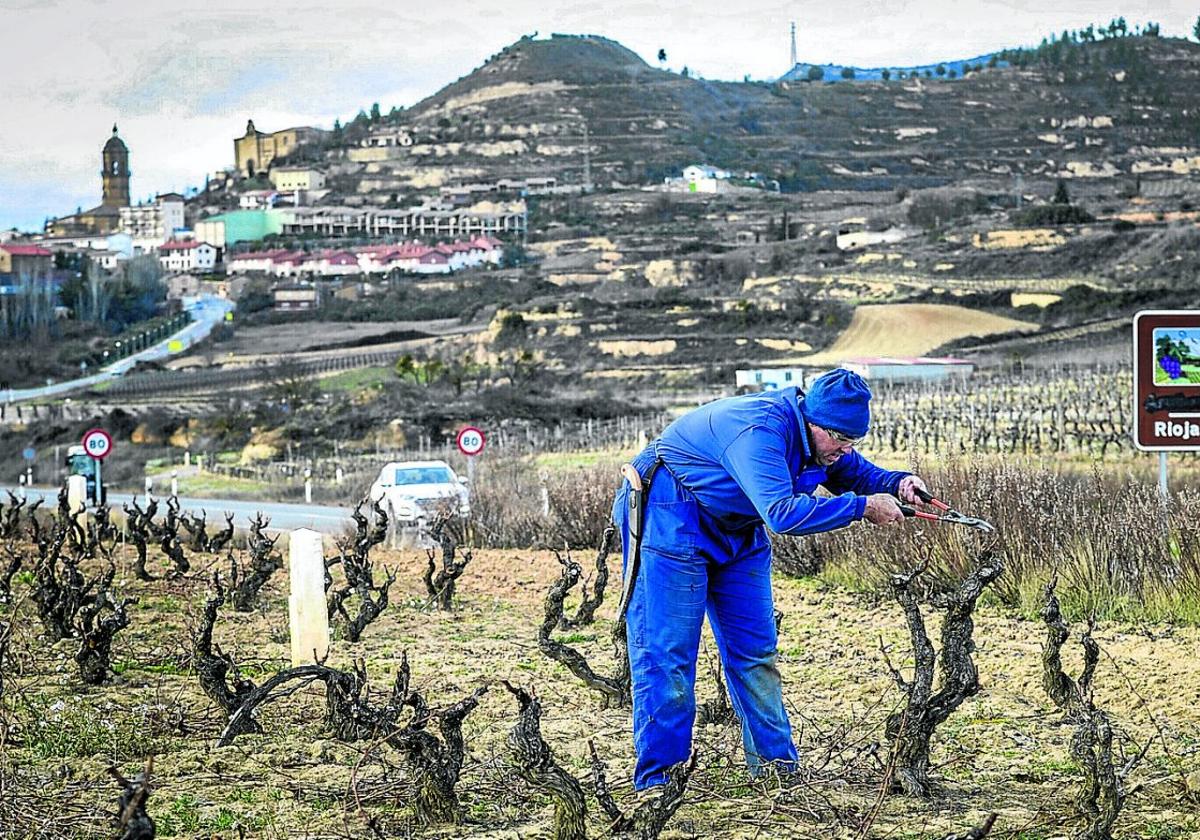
<point x="839" y="400"/>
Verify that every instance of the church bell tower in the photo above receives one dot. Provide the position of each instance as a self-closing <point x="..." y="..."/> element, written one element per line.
<point x="115" y="173"/>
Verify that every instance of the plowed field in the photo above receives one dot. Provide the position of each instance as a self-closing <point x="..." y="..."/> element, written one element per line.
<point x="911" y="329"/>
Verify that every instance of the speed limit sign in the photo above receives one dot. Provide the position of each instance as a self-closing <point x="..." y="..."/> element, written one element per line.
<point x="97" y="443"/>
<point x="470" y="441"/>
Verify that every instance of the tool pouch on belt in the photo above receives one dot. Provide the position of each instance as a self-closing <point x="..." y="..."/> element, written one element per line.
<point x="639" y="492"/>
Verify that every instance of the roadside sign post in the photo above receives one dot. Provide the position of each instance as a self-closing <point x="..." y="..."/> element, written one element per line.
<point x="1166" y="384"/>
<point x="98" y="443"/>
<point x="471" y="442"/>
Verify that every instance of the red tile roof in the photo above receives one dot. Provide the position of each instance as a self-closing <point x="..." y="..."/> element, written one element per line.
<point x="184" y="245"/>
<point x="27" y="250"/>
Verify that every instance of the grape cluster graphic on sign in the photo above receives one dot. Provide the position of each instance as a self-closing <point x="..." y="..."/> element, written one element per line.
<point x="1177" y="356"/>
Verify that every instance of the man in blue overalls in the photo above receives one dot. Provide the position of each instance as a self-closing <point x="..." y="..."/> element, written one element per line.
<point x="712" y="480"/>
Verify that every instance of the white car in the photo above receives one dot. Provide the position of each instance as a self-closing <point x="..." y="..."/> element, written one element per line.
<point x="413" y="491"/>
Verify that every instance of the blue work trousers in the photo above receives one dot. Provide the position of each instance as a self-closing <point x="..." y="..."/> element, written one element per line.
<point x="690" y="566"/>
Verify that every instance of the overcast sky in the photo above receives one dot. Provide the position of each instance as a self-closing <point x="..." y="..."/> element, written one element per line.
<point x="180" y="80"/>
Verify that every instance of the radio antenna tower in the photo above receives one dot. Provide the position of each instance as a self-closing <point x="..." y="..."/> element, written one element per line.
<point x="793" y="64"/>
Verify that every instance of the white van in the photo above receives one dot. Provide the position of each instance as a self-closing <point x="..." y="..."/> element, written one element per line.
<point x="414" y="491"/>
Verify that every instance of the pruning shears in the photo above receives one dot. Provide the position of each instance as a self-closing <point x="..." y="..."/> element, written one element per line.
<point x="948" y="514"/>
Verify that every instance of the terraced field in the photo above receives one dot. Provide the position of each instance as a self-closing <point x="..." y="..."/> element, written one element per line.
<point x="911" y="329"/>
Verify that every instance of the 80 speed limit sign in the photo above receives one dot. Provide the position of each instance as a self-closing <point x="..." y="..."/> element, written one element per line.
<point x="470" y="441"/>
<point x="97" y="443"/>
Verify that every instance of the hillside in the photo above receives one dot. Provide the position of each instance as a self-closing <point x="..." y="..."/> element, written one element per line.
<point x="933" y="193"/>
<point x="1103" y="110"/>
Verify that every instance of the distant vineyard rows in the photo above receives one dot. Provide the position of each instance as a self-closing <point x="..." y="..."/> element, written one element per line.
<point x="1072" y="410"/>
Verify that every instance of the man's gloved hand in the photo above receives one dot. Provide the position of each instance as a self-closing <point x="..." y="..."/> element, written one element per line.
<point x="883" y="509"/>
<point x="907" y="491"/>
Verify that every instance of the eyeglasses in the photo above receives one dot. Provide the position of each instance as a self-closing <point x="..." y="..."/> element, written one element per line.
<point x="841" y="438"/>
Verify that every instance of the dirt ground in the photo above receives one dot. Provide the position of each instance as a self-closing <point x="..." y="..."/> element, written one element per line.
<point x="1005" y="751"/>
<point x="285" y="338"/>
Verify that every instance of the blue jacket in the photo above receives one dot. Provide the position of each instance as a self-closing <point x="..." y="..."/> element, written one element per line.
<point x="748" y="460"/>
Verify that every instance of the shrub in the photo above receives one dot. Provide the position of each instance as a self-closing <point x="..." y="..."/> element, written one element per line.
<point x="1041" y="215"/>
<point x="508" y="506"/>
<point x="933" y="208"/>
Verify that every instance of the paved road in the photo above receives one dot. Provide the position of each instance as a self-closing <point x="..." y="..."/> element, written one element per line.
<point x="207" y="311"/>
<point x="284" y="517"/>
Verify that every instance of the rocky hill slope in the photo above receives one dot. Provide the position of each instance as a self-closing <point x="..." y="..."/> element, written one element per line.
<point x="1119" y="108"/>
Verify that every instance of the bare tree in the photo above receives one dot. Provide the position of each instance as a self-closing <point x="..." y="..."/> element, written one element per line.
<point x="168" y="539"/>
<point x="435" y="763"/>
<point x="10" y="522"/>
<point x="650" y="817"/>
<point x="138" y="530"/>
<point x="441" y="583"/>
<point x="590" y="603"/>
<point x="132" y="820"/>
<point x="1101" y="795"/>
<point x="264" y="562"/>
<point x="15" y="560"/>
<point x="614" y="690"/>
<point x="218" y="674"/>
<point x="910" y="730"/>
<point x="60" y="588"/>
<point x="96" y="633"/>
<point x="1066" y="693"/>
<point x="536" y="764"/>
<point x="197" y="528"/>
<point x="223" y="537"/>
<point x="354" y="556"/>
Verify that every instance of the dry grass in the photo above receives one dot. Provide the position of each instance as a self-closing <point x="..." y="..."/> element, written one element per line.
<point x="1119" y="550"/>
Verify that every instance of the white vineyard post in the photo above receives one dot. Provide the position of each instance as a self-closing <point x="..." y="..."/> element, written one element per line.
<point x="307" y="614"/>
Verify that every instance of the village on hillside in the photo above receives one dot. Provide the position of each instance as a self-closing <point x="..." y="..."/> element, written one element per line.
<point x="766" y="216"/>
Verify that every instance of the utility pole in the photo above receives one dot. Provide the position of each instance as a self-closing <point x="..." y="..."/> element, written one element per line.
<point x="793" y="64"/>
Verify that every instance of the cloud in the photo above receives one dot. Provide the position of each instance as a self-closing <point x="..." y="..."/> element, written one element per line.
<point x="182" y="78"/>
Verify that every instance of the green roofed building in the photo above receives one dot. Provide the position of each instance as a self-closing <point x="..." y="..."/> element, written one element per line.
<point x="225" y="229"/>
